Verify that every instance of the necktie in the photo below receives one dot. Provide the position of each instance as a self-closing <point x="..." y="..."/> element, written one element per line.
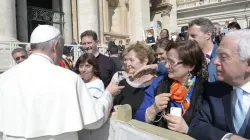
<point x="239" y="113"/>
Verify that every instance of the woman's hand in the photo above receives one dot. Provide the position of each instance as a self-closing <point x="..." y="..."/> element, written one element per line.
<point x="161" y="102"/>
<point x="176" y="123"/>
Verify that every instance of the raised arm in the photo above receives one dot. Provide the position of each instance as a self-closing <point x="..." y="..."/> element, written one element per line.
<point x="94" y="113"/>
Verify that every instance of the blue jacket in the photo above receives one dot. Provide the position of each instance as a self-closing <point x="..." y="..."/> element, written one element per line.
<point x="148" y="100"/>
<point x="211" y="66"/>
<point x="162" y="70"/>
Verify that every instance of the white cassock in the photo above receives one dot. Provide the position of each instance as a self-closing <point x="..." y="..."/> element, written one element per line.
<point x="42" y="101"/>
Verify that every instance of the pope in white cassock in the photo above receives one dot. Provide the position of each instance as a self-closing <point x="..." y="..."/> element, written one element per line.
<point x="42" y="101"/>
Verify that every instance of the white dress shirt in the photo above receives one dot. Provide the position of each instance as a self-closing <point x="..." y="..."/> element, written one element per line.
<point x="246" y="102"/>
<point x="246" y="96"/>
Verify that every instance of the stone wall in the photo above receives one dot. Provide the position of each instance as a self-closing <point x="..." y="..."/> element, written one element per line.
<point x="220" y="11"/>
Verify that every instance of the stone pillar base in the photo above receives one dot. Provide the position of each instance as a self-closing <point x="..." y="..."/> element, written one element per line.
<point x="8" y="39"/>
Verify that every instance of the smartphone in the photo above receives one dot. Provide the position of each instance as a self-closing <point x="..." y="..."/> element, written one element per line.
<point x="176" y="111"/>
<point x="119" y="78"/>
<point x="120" y="75"/>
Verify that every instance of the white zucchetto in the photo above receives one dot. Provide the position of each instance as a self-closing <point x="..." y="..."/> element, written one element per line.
<point x="43" y="33"/>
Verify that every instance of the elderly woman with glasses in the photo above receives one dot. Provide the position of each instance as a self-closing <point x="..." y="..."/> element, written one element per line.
<point x="171" y="101"/>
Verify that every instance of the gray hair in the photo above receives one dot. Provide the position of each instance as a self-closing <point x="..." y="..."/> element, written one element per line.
<point x="45" y="45"/>
<point x="216" y="23"/>
<point x="205" y="24"/>
<point x="244" y="40"/>
<point x="20" y="50"/>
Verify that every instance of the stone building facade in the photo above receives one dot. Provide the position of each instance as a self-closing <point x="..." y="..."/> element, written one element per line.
<point x="112" y="19"/>
<point x="221" y="11"/>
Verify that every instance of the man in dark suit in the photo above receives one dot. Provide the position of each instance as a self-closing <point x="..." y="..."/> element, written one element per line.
<point x="225" y="114"/>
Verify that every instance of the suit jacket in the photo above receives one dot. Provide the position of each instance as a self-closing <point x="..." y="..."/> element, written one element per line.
<point x="35" y="101"/>
<point x="215" y="119"/>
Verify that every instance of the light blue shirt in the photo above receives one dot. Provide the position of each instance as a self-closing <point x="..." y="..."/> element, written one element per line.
<point x="246" y="103"/>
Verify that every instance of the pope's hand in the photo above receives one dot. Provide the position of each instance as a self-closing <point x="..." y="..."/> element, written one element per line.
<point x="148" y="69"/>
<point x="114" y="89"/>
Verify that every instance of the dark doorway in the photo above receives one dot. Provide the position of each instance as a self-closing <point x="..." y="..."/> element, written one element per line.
<point x="41" y="12"/>
<point x="47" y="4"/>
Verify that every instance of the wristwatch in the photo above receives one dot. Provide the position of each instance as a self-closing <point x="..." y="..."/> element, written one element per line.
<point x="227" y="136"/>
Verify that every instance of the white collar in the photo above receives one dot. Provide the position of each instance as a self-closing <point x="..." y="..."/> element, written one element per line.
<point x="245" y="87"/>
<point x="142" y="85"/>
<point x="44" y="56"/>
<point x="113" y="55"/>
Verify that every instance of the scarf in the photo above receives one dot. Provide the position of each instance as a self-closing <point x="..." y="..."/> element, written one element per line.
<point x="181" y="95"/>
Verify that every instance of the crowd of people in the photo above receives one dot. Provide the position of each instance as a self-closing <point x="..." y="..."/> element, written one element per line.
<point x="197" y="84"/>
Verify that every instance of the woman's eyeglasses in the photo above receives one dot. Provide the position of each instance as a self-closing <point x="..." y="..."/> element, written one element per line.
<point x="171" y="63"/>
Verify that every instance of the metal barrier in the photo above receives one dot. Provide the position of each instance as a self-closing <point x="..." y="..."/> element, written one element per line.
<point x="121" y="126"/>
<point x="6" y="60"/>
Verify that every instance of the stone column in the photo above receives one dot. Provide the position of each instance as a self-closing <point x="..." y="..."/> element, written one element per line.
<point x="173" y="16"/>
<point x="88" y="16"/>
<point x="7" y="20"/>
<point x="22" y="21"/>
<point x="56" y="7"/>
<point x="106" y="16"/>
<point x="101" y="22"/>
<point x="140" y="18"/>
<point x="74" y="19"/>
<point x="166" y="20"/>
<point x="66" y="8"/>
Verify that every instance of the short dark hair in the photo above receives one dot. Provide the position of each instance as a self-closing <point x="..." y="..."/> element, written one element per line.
<point x="89" y="33"/>
<point x="113" y="49"/>
<point x="204" y="23"/>
<point x="19" y="50"/>
<point x="89" y="58"/>
<point x="234" y="25"/>
<point x="166" y="31"/>
<point x="67" y="50"/>
<point x="190" y="54"/>
<point x="183" y="36"/>
<point x="162" y="43"/>
<point x="184" y="28"/>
